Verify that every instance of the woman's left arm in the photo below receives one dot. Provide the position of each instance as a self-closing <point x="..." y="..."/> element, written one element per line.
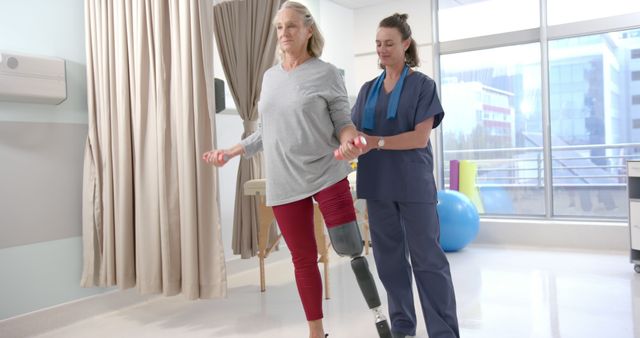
<point x="339" y="113"/>
<point x="416" y="139"/>
<point x="347" y="148"/>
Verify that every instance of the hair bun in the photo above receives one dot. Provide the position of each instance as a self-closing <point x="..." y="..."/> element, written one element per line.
<point x="401" y="17"/>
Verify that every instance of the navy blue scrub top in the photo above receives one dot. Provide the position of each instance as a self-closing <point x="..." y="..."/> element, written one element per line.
<point x="399" y="175"/>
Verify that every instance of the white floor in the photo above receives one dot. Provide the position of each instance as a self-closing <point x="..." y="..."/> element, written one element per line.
<point x="501" y="292"/>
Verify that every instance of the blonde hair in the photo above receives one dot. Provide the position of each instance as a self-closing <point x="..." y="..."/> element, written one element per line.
<point x="316" y="41"/>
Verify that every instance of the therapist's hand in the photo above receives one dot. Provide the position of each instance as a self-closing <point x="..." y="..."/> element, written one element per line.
<point x="372" y="143"/>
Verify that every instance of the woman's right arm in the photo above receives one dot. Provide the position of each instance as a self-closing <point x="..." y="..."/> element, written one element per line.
<point x="247" y="147"/>
<point x="219" y="157"/>
<point x="252" y="144"/>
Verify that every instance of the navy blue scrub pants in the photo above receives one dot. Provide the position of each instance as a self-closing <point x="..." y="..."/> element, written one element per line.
<point x="405" y="241"/>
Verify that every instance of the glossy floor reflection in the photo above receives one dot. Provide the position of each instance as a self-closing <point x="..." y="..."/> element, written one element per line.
<point x="511" y="293"/>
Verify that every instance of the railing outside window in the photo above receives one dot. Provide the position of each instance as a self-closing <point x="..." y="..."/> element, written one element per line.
<point x="508" y="179"/>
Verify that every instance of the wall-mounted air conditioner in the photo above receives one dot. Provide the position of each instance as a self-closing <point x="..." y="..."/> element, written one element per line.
<point x="28" y="78"/>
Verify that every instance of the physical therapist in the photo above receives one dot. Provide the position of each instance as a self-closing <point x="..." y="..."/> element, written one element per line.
<point x="396" y="112"/>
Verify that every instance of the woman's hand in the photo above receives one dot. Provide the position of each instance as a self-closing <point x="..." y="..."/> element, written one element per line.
<point x="351" y="149"/>
<point x="217" y="157"/>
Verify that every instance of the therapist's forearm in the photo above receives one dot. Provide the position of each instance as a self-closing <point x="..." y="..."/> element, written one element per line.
<point x="405" y="141"/>
<point x="415" y="139"/>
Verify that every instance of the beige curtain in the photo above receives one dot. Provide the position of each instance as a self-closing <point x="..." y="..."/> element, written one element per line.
<point x="247" y="44"/>
<point x="150" y="212"/>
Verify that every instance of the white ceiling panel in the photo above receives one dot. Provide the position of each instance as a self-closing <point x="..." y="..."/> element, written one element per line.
<point x="353" y="4"/>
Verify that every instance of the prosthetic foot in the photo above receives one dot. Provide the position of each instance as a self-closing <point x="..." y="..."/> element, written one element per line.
<point x="346" y="241"/>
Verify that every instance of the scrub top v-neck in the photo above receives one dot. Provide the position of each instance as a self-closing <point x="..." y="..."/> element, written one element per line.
<point x="399" y="175"/>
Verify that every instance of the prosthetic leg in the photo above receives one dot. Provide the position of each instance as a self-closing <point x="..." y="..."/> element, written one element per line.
<point x="347" y="241"/>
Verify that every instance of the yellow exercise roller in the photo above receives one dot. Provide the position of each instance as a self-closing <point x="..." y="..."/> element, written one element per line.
<point x="467" y="186"/>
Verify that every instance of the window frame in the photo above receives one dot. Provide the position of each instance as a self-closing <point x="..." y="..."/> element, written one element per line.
<point x="543" y="35"/>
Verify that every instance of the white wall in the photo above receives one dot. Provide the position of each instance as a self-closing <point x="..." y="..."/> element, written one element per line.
<point x="228" y="132"/>
<point x="40" y="175"/>
<point x="40" y="221"/>
<point x="47" y="28"/>
<point x="366" y="24"/>
<point x="337" y="26"/>
<point x="40" y="275"/>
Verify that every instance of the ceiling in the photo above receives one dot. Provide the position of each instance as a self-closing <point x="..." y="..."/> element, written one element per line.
<point x="455" y="3"/>
<point x="354" y="4"/>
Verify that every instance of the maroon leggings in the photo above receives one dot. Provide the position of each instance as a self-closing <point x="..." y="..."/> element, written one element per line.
<point x="295" y="220"/>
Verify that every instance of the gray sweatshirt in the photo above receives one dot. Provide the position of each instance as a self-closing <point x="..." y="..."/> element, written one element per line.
<point x="301" y="114"/>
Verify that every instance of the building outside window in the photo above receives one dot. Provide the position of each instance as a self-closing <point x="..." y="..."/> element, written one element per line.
<point x="493" y="86"/>
<point x="501" y="86"/>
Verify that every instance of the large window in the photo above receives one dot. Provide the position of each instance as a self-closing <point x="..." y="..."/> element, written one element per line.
<point x="547" y="116"/>
<point x="566" y="11"/>
<point x="485" y="17"/>
<point x="590" y="110"/>
<point x="493" y="119"/>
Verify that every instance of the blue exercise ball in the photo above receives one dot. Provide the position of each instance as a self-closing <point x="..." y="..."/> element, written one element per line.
<point x="459" y="220"/>
<point x="496" y="200"/>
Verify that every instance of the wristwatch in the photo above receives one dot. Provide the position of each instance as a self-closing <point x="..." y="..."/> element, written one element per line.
<point x="380" y="143"/>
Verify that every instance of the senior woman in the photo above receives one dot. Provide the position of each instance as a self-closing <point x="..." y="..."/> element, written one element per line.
<point x="305" y="115"/>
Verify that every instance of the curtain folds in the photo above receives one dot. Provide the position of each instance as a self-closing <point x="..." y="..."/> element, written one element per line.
<point x="150" y="209"/>
<point x="247" y="44"/>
